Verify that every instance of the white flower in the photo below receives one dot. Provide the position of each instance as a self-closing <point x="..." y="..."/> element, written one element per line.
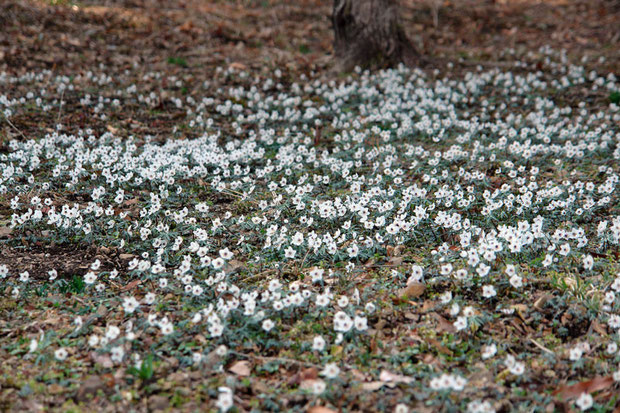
<point x="33" y="345"/>
<point x="93" y="340"/>
<point x="90" y="277"/>
<point x="290" y="252"/>
<point x="318" y="387"/>
<point x="417" y="274"/>
<point x="361" y="323"/>
<point x="130" y="304"/>
<point x="488" y="291"/>
<point x="489" y="351"/>
<point x="95" y="265"/>
<point x="218" y="263"/>
<point x="353" y="251"/>
<point x="24" y="276"/>
<point x="516" y="281"/>
<point x="575" y="353"/>
<point x="53" y="274"/>
<point x="117" y="354"/>
<point x="297" y="239"/>
<point x="225" y="399"/>
<point x="61" y="354"/>
<point x="226" y="254"/>
<point x="370" y="308"/>
<point x="318" y="344"/>
<point x="268" y="324"/>
<point x="317" y="274"/>
<point x="460" y="323"/>
<point x="584" y="402"/>
<point x="149" y="298"/>
<point x="330" y="371"/>
<point x="401" y="408"/>
<point x="166" y="328"/>
<point x="517" y="368"/>
<point x="112" y="332"/>
<point x="342" y="322"/>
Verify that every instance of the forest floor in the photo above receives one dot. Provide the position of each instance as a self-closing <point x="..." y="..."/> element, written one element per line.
<point x="135" y="134"/>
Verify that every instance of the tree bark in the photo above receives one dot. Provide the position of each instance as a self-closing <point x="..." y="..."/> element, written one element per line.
<point x="368" y="34"/>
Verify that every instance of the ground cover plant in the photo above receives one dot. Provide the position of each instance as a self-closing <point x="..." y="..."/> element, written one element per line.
<point x="402" y="240"/>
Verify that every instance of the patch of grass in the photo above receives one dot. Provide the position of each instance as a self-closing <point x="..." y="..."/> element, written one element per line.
<point x="145" y="372"/>
<point x="75" y="286"/>
<point x="179" y="61"/>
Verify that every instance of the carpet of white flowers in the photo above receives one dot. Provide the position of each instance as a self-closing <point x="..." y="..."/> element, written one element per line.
<point x="408" y="239"/>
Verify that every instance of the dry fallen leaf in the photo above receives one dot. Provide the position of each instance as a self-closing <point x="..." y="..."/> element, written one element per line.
<point x="395" y="261"/>
<point x="131" y="285"/>
<point x="241" y="368"/>
<point x="413" y="290"/>
<point x="373" y="385"/>
<point x="309" y="385"/>
<point x="5" y="232"/>
<point x="238" y="66"/>
<point x="588" y="386"/>
<point x="443" y="325"/>
<point x="320" y="409"/>
<point x="387" y="376"/>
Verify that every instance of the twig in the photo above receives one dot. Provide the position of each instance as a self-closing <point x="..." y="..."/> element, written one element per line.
<point x="302" y="261"/>
<point x="282" y="359"/>
<point x="15" y="127"/>
<point x="540" y="346"/>
<point x="62" y="94"/>
<point x="260" y="275"/>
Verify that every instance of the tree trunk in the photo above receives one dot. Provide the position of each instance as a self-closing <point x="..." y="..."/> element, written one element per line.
<point x="368" y="34"/>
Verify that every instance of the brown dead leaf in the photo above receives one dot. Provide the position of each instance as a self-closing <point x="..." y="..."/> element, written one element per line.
<point x="112" y="129"/>
<point x="241" y="368"/>
<point x="102" y="359"/>
<point x="443" y="325"/>
<point x="237" y="66"/>
<point x="588" y="386"/>
<point x="131" y="285"/>
<point x="5" y="232"/>
<point x="395" y="261"/>
<point x="541" y="301"/>
<point x="309" y="385"/>
<point x="387" y="376"/>
<point x="373" y="385"/>
<point x="188" y="26"/>
<point x="310" y="373"/>
<point x="438" y="346"/>
<point x="599" y="328"/>
<point x="395" y="251"/>
<point x="320" y="409"/>
<point x="413" y="290"/>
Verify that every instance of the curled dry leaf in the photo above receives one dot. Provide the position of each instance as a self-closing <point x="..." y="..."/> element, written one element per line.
<point x="588" y="386"/>
<point x="412" y="290"/>
<point x="309" y="384"/>
<point x="387" y="376"/>
<point x="5" y="232"/>
<point x="320" y="409"/>
<point x="241" y="368"/>
<point x="443" y="325"/>
<point x="373" y="385"/>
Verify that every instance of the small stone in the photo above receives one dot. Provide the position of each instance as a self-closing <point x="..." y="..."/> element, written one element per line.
<point x="157" y="402"/>
<point x="90" y="386"/>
